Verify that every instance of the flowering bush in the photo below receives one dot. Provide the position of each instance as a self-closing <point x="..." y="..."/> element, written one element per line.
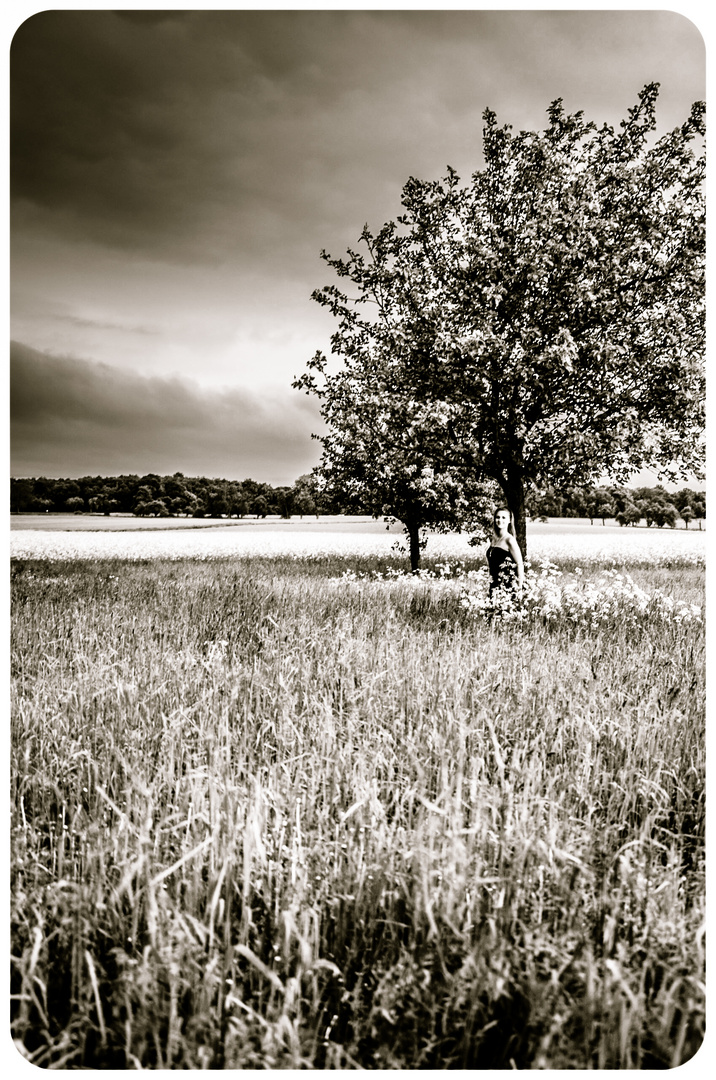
<point x="550" y="595"/>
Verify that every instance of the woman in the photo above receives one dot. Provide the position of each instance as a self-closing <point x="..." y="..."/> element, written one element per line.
<point x="504" y="557"/>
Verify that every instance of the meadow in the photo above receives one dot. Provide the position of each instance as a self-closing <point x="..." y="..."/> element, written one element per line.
<point x="294" y="808"/>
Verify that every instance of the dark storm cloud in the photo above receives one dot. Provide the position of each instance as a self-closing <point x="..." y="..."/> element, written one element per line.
<point x="72" y="417"/>
<point x="182" y="136"/>
<point x="265" y="134"/>
<point x="103" y="134"/>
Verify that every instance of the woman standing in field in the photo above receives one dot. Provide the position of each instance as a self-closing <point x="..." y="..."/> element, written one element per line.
<point x="503" y="556"/>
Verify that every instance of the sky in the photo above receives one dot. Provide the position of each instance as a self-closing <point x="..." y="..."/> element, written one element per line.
<point x="176" y="174"/>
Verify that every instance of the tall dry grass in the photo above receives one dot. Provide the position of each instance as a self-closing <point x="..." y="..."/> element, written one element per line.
<point x="264" y="818"/>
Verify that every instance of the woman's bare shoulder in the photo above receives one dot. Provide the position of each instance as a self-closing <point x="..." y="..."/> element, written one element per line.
<point x="512" y="544"/>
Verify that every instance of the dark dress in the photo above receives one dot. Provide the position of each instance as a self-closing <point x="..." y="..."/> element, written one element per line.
<point x="503" y="568"/>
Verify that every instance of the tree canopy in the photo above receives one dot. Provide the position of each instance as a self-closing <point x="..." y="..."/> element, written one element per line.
<point x="542" y="324"/>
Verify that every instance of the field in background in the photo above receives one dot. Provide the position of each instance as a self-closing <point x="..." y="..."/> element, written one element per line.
<point x="267" y="816"/>
<point x="345" y="538"/>
<point x="130" y="523"/>
<point x="342" y="523"/>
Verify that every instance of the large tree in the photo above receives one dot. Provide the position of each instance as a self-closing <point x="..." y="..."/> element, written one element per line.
<point x="542" y="324"/>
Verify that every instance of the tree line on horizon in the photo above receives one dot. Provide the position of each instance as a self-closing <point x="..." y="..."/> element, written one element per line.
<point x="628" y="506"/>
<point x="177" y="495"/>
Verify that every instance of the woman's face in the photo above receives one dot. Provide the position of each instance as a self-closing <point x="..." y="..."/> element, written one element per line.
<point x="502" y="522"/>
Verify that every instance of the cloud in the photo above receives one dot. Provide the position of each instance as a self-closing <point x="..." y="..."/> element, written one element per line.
<point x="74" y="417"/>
<point x="266" y="135"/>
<point x="187" y="137"/>
<point x="95" y="324"/>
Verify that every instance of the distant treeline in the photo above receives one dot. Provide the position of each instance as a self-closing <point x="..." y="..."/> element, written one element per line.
<point x="628" y="506"/>
<point x="196" y="496"/>
<point x="167" y="496"/>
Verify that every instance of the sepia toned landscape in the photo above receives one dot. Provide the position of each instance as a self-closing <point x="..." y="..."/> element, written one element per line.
<point x="358" y="540"/>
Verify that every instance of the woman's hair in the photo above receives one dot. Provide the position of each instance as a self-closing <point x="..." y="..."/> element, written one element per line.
<point x="510" y="527"/>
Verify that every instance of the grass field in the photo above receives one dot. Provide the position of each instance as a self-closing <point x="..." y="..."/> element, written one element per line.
<point x="281" y="812"/>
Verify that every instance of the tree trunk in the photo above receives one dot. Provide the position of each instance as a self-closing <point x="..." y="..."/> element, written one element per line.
<point x="413" y="532"/>
<point x="514" y="491"/>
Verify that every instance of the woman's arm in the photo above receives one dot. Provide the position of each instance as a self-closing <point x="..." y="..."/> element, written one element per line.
<point x="517" y="556"/>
